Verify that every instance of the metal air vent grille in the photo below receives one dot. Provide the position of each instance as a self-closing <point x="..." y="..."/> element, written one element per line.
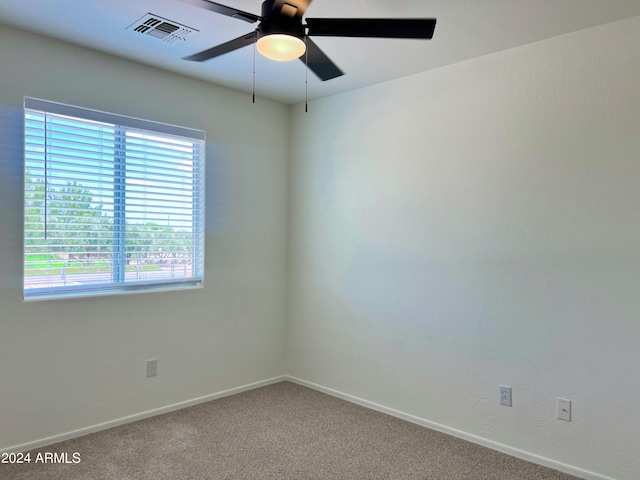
<point x="159" y="27"/>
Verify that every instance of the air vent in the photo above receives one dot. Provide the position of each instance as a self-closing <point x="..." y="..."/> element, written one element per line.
<point x="159" y="27"/>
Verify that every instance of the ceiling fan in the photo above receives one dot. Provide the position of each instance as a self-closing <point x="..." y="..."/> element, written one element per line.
<point x="282" y="36"/>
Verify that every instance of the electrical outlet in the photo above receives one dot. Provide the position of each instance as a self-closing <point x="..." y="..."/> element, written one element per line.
<point x="505" y="395"/>
<point x="152" y="368"/>
<point x="564" y="409"/>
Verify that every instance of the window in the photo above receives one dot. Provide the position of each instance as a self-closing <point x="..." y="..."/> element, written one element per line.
<point x="112" y="204"/>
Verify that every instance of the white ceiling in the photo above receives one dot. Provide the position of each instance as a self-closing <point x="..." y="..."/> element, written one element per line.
<point x="465" y="29"/>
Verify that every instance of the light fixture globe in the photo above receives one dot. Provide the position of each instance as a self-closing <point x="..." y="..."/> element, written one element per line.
<point x="281" y="47"/>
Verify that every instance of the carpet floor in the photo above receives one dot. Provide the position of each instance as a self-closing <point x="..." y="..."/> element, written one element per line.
<point x="282" y="431"/>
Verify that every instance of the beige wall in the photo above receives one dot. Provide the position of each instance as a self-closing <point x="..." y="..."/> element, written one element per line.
<point x="474" y="226"/>
<point x="72" y="364"/>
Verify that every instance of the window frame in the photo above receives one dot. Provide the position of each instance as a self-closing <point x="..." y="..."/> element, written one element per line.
<point x="122" y="124"/>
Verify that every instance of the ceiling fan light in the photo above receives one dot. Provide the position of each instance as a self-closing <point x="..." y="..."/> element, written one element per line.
<point x="281" y="47"/>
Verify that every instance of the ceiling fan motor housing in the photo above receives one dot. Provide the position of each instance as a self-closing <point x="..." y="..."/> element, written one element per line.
<point x="274" y="21"/>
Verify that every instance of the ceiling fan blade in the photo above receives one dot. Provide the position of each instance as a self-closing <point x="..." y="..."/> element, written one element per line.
<point x="319" y="63"/>
<point x="223" y="48"/>
<point x="372" y="27"/>
<point x="224" y="10"/>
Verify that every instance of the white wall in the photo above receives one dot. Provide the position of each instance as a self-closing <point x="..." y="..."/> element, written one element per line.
<point x="451" y="231"/>
<point x="474" y="226"/>
<point x="66" y="365"/>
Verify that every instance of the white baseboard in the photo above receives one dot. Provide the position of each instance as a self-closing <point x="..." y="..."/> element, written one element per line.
<point x="514" y="452"/>
<point x="43" y="442"/>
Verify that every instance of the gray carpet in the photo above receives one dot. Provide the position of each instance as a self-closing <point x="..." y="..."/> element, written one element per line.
<point x="283" y="431"/>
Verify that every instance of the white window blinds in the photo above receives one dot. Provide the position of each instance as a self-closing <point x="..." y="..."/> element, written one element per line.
<point x="112" y="203"/>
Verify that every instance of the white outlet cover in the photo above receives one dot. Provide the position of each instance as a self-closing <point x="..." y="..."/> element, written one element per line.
<point x="505" y="395"/>
<point x="152" y="368"/>
<point x="564" y="409"/>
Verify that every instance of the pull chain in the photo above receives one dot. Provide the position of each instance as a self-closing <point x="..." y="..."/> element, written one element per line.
<point x="306" y="78"/>
<point x="254" y="66"/>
